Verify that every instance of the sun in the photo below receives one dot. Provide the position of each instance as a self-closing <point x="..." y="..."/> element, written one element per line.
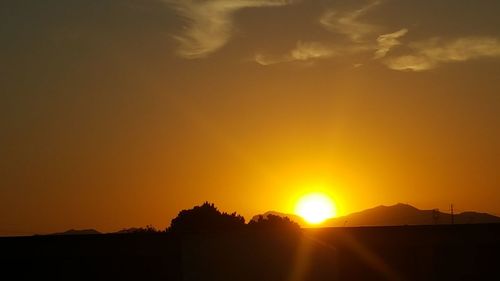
<point x="315" y="208"/>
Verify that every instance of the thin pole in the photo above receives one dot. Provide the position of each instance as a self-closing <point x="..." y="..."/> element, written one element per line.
<point x="452" y="215"/>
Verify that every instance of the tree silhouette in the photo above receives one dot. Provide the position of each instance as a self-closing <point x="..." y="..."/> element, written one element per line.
<point x="274" y="222"/>
<point x="205" y="218"/>
<point x="149" y="229"/>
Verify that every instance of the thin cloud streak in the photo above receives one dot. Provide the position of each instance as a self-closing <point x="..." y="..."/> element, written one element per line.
<point x="388" y="41"/>
<point x="303" y="51"/>
<point x="430" y="53"/>
<point x="311" y="50"/>
<point x="210" y="23"/>
<point x="349" y="23"/>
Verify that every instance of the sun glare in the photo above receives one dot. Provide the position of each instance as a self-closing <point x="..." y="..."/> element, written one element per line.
<point x="315" y="208"/>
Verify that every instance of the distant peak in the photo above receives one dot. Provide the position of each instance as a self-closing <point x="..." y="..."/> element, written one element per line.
<point x="78" y="232"/>
<point x="398" y="206"/>
<point x="405" y="214"/>
<point x="404" y="205"/>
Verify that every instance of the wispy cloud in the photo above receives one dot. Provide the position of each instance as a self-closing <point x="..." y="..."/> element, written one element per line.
<point x="430" y="53"/>
<point x="303" y="51"/>
<point x="265" y="60"/>
<point x="388" y="41"/>
<point x="311" y="50"/>
<point x="350" y="23"/>
<point x="410" y="62"/>
<point x="210" y="23"/>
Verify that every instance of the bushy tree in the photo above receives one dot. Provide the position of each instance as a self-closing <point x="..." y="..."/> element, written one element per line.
<point x="139" y="230"/>
<point x="274" y="222"/>
<point x="147" y="229"/>
<point x="205" y="218"/>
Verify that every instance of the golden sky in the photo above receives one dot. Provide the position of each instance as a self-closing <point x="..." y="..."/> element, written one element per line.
<point x="120" y="113"/>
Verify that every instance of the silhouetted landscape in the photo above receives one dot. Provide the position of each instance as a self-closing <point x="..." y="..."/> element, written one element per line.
<point x="78" y="232"/>
<point x="205" y="244"/>
<point x="397" y="215"/>
<point x="302" y="123"/>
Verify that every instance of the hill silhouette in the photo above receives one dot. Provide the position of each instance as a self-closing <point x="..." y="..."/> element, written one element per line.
<point x="404" y="214"/>
<point x="78" y="232"/>
<point x="204" y="243"/>
<point x="207" y="217"/>
<point x="398" y="214"/>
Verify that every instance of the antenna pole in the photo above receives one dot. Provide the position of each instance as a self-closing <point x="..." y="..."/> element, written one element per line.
<point x="452" y="215"/>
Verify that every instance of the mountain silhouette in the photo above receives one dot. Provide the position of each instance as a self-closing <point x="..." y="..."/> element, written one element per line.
<point x="78" y="232"/>
<point x="399" y="214"/>
<point x="404" y="214"/>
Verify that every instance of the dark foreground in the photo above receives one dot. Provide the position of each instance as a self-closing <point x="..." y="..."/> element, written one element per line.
<point x="460" y="252"/>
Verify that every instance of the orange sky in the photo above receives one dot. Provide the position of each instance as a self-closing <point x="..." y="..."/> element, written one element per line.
<point x="116" y="114"/>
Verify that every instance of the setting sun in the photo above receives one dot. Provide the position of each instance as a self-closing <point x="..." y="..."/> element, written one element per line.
<point x="315" y="208"/>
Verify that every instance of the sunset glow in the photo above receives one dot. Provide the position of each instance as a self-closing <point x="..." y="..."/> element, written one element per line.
<point x="315" y="208"/>
<point x="118" y="114"/>
<point x="250" y="140"/>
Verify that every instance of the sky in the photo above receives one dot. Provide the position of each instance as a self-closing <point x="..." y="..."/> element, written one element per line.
<point x="121" y="113"/>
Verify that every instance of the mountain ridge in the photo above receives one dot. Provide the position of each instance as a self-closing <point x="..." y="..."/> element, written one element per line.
<point x="396" y="215"/>
<point x="78" y="232"/>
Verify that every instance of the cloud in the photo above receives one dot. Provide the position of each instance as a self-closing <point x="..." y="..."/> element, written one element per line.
<point x="311" y="50"/>
<point x="430" y="53"/>
<point x="269" y="60"/>
<point x="410" y="62"/>
<point x="210" y="23"/>
<point x="349" y="23"/>
<point x="302" y="52"/>
<point x="388" y="41"/>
